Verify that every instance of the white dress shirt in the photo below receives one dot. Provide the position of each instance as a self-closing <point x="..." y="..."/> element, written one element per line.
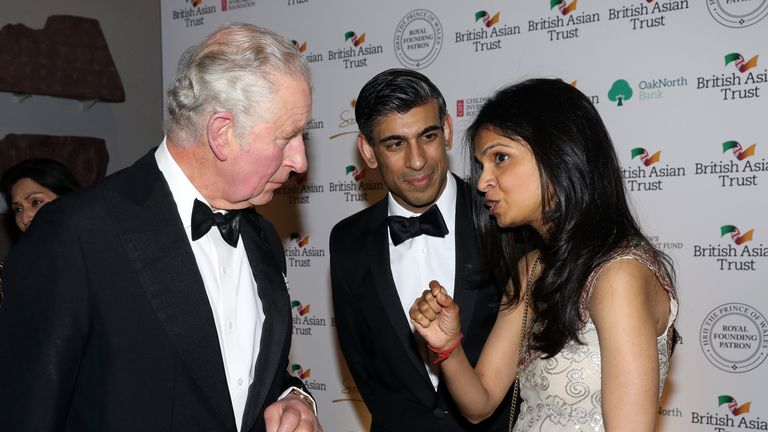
<point x="418" y="260"/>
<point x="229" y="284"/>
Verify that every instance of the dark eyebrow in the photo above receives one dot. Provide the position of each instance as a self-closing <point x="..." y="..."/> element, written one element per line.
<point x="491" y="147"/>
<point x="424" y="131"/>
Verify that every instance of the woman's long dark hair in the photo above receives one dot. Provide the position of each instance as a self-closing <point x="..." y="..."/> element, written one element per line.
<point x="585" y="206"/>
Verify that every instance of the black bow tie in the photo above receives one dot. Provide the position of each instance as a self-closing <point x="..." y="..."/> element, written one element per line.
<point x="203" y="218"/>
<point x="430" y="223"/>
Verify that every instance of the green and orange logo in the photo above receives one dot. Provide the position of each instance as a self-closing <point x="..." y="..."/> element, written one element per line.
<point x="486" y="18"/>
<point x="733" y="405"/>
<point x="736" y="234"/>
<point x="301" y="309"/>
<point x="300" y="46"/>
<point x="564" y="7"/>
<point x="620" y="91"/>
<point x="301" y="241"/>
<point x="738" y="151"/>
<point x="740" y="62"/>
<point x="299" y="372"/>
<point x="195" y="3"/>
<point x="646" y="158"/>
<point x="356" y="40"/>
<point x="357" y="174"/>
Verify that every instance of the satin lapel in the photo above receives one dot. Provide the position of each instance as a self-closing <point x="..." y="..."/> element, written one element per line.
<point x="466" y="252"/>
<point x="378" y="247"/>
<point x="153" y="235"/>
<point x="277" y="310"/>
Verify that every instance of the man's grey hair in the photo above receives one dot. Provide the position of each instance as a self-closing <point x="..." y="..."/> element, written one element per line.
<point x="233" y="70"/>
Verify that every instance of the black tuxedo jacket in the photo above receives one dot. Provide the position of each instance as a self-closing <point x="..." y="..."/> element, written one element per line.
<point x="107" y="326"/>
<point x="375" y="335"/>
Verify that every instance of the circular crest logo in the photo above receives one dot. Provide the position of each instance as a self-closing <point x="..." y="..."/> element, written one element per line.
<point x="734" y="337"/>
<point x="418" y="39"/>
<point x="185" y="56"/>
<point x="737" y="14"/>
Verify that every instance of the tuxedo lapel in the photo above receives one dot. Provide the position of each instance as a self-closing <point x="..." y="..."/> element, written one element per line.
<point x="153" y="235"/>
<point x="463" y="295"/>
<point x="378" y="250"/>
<point x="276" y="305"/>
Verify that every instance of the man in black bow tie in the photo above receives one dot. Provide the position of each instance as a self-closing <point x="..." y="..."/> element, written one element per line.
<point x="383" y="258"/>
<point x="156" y="301"/>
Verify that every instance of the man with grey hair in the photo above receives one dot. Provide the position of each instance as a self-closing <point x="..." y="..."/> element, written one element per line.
<point x="127" y="310"/>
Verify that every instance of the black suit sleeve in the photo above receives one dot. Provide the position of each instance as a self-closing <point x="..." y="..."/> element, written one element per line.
<point x="350" y="326"/>
<point x="44" y="325"/>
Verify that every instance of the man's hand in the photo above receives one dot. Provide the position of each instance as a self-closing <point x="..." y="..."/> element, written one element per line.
<point x="436" y="317"/>
<point x="291" y="414"/>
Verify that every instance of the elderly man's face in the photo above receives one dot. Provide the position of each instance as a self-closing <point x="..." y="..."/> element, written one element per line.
<point x="273" y="148"/>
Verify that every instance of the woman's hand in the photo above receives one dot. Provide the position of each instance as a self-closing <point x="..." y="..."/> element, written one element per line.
<point x="436" y="317"/>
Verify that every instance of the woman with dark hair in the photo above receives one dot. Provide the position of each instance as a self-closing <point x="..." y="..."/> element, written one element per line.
<point x="33" y="183"/>
<point x="29" y="185"/>
<point x="587" y="326"/>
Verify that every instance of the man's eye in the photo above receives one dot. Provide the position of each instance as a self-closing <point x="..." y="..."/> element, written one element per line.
<point x="394" y="145"/>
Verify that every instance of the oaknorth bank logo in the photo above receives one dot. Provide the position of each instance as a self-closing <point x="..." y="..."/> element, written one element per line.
<point x="299" y="240"/>
<point x="646" y="158"/>
<point x="740" y="62"/>
<point x="563" y="6"/>
<point x="732" y="405"/>
<point x="736" y="234"/>
<point x="620" y="92"/>
<point x="299" y="372"/>
<point x="738" y="151"/>
<point x="299" y="308"/>
<point x="357" y="173"/>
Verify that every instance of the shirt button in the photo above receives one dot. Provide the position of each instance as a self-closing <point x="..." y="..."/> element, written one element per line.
<point x="229" y="325"/>
<point x="224" y="269"/>
<point x="239" y="381"/>
<point x="423" y="251"/>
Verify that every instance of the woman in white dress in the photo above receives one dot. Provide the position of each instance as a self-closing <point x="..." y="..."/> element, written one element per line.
<point x="587" y="323"/>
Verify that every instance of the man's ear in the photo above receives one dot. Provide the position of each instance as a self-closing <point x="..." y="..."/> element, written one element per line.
<point x="448" y="131"/>
<point x="220" y="132"/>
<point x="366" y="152"/>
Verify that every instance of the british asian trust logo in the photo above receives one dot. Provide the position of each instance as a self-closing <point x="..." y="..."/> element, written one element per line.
<point x="418" y="39"/>
<point x="299" y="252"/>
<point x="729" y="413"/>
<point x="742" y="79"/>
<point x="298" y="189"/>
<point x="487" y="33"/>
<point x="564" y="21"/>
<point x="355" y="52"/>
<point x="193" y="12"/>
<point x="738" y="167"/>
<point x="650" y="14"/>
<point x="646" y="172"/>
<point x="309" y="56"/>
<point x="355" y="187"/>
<point x="303" y="321"/>
<point x="304" y="375"/>
<point x="736" y="251"/>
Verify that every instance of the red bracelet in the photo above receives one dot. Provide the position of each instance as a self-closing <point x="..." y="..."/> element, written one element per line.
<point x="442" y="355"/>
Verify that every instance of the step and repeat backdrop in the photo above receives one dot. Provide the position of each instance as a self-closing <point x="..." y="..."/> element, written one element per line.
<point x="681" y="85"/>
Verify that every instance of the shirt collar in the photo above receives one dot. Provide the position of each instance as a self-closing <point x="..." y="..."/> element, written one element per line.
<point x="446" y="203"/>
<point x="183" y="191"/>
